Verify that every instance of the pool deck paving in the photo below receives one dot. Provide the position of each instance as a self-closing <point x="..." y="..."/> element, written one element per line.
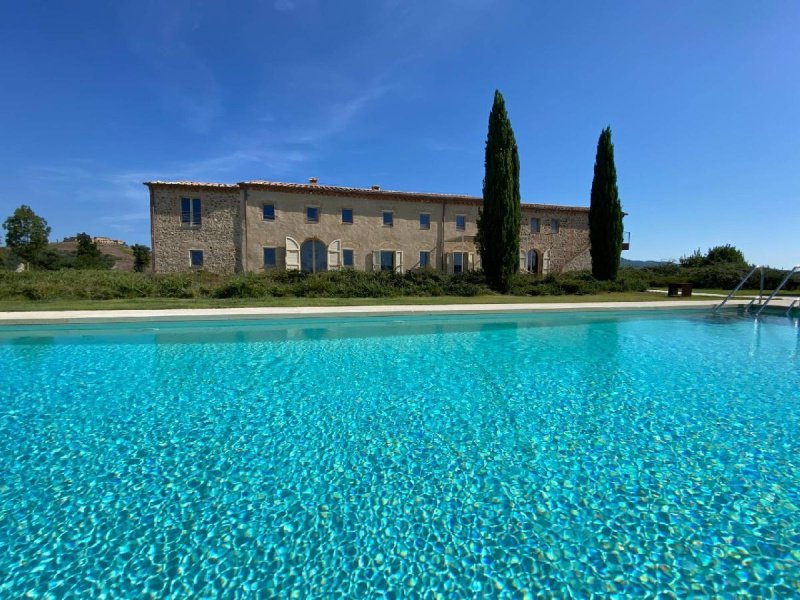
<point x="283" y="312"/>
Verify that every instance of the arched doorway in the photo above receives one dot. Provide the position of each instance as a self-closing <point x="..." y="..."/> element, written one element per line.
<point x="313" y="256"/>
<point x="532" y="263"/>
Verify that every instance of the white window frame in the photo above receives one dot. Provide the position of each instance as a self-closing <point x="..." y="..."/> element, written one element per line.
<point x="191" y="224"/>
<point x="202" y="257"/>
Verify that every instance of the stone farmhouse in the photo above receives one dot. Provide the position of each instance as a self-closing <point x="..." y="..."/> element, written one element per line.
<point x="258" y="225"/>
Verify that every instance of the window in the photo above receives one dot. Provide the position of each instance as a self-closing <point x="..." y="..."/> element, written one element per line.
<point x="196" y="258"/>
<point x="388" y="220"/>
<point x="424" y="221"/>
<point x="268" y="212"/>
<point x="387" y="259"/>
<point x="347" y="258"/>
<point x="424" y="259"/>
<point x="461" y="222"/>
<point x="347" y="215"/>
<point x="535" y="226"/>
<point x="270" y="258"/>
<point x="554" y="224"/>
<point x="532" y="262"/>
<point x="312" y="214"/>
<point x="190" y="212"/>
<point x="459" y="262"/>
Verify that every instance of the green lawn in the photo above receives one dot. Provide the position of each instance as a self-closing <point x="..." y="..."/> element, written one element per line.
<point x="158" y="303"/>
<point x="792" y="293"/>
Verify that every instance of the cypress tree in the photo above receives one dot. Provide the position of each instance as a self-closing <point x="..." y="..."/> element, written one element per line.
<point x="499" y="218"/>
<point x="605" y="212"/>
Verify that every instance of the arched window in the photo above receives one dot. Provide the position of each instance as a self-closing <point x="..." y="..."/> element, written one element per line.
<point x="313" y="256"/>
<point x="532" y="263"/>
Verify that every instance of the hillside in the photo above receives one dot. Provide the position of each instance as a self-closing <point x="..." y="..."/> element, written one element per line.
<point x="641" y="264"/>
<point x="122" y="255"/>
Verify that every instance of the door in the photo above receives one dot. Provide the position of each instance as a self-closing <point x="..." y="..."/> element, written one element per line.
<point x="313" y="256"/>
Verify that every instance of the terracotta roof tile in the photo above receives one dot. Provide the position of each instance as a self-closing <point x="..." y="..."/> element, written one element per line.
<point x="191" y="184"/>
<point x="335" y="190"/>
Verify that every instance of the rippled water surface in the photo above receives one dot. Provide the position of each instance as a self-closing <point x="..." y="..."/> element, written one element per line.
<point x="402" y="456"/>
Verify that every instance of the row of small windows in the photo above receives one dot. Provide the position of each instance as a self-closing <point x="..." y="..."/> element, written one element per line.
<point x="461" y="261"/>
<point x="536" y="225"/>
<point x="191" y="216"/>
<point x="348" y="258"/>
<point x="312" y="216"/>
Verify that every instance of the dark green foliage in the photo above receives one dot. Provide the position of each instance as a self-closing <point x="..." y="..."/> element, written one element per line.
<point x="499" y="219"/>
<point x="141" y="258"/>
<point x="721" y="276"/>
<point x="105" y="285"/>
<point x="26" y="235"/>
<point x="87" y="255"/>
<point x="605" y="212"/>
<point x="725" y="254"/>
<point x="579" y="283"/>
<point x="717" y="255"/>
<point x="695" y="259"/>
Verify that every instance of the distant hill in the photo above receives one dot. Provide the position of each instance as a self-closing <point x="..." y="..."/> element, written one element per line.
<point x="641" y="264"/>
<point x="122" y="255"/>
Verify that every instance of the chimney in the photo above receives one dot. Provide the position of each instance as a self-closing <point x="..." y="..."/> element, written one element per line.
<point x="376" y="187"/>
<point x="313" y="181"/>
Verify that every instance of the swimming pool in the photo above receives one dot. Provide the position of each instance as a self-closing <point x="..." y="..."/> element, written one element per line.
<point x="502" y="455"/>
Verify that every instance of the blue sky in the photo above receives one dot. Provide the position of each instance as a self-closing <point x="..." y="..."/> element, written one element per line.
<point x="703" y="99"/>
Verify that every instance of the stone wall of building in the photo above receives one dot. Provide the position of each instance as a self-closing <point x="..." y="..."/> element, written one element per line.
<point x="219" y="235"/>
<point x="564" y="248"/>
<point x="364" y="236"/>
<point x="234" y="233"/>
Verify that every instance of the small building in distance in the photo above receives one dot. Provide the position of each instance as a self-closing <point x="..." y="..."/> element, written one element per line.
<point x="258" y="225"/>
<point x="100" y="241"/>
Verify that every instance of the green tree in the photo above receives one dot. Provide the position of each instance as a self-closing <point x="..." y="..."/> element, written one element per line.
<point x="499" y="218"/>
<point x="26" y="234"/>
<point x="141" y="257"/>
<point x="88" y="256"/>
<point x="725" y="254"/>
<point x="695" y="259"/>
<point x="605" y="212"/>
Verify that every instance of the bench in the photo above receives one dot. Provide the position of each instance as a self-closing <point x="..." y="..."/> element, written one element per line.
<point x="685" y="289"/>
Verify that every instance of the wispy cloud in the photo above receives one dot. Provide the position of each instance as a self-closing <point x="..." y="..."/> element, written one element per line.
<point x="341" y="114"/>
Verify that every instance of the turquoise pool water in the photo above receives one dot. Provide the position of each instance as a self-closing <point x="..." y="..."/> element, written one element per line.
<point x="467" y="456"/>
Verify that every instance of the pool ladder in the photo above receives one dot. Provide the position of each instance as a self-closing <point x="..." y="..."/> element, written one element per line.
<point x="786" y="279"/>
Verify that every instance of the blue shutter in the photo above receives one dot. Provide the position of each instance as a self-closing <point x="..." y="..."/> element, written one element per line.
<point x="196" y="218"/>
<point x="185" y="211"/>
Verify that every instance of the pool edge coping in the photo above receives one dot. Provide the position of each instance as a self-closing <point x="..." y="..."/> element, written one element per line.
<point x="291" y="312"/>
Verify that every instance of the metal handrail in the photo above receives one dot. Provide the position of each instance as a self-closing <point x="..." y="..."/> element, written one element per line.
<point x="778" y="289"/>
<point x="791" y="306"/>
<point x="741" y="283"/>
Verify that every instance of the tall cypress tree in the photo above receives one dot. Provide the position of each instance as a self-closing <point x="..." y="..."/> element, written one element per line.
<point x="605" y="212"/>
<point x="499" y="218"/>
